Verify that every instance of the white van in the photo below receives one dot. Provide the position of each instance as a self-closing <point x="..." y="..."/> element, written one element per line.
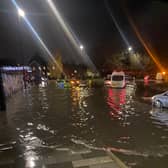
<point x="118" y="79"/>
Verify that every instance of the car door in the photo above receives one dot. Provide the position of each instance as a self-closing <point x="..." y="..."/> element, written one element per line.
<point x="165" y="99"/>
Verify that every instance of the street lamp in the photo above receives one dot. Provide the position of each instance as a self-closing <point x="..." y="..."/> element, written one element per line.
<point x="81" y="47"/>
<point x="130" y="48"/>
<point x="21" y="12"/>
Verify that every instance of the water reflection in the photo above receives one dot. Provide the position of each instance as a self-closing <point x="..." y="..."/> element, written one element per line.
<point x="116" y="99"/>
<point x="120" y="101"/>
<point x="81" y="116"/>
<point x="30" y="158"/>
<point x="29" y="144"/>
<point x="79" y="104"/>
<point x="43" y="99"/>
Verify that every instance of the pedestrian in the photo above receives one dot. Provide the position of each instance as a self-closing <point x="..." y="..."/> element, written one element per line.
<point x="2" y="94"/>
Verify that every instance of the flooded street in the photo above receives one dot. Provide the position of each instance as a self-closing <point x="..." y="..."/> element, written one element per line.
<point x="43" y="118"/>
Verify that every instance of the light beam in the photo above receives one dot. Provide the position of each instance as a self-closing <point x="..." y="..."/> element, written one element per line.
<point x="70" y="34"/>
<point x="148" y="49"/>
<point x="21" y="13"/>
<point x="116" y="23"/>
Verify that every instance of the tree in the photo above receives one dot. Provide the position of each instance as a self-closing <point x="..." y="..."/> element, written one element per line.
<point x="117" y="61"/>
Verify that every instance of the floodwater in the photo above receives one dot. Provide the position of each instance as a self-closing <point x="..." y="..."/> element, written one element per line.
<point x="123" y="120"/>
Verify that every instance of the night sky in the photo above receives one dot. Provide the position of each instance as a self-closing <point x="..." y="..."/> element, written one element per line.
<point x="90" y="21"/>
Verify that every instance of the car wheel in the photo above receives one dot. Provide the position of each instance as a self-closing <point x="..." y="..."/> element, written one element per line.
<point x="158" y="104"/>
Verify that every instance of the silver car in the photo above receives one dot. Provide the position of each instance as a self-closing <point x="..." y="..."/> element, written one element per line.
<point x="160" y="100"/>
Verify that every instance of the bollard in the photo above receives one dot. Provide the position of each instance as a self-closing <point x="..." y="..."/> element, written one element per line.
<point x="2" y="94"/>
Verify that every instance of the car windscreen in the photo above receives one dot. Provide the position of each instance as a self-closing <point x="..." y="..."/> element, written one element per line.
<point x="117" y="78"/>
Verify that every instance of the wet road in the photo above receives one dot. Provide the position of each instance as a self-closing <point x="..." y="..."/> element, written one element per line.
<point x="43" y="118"/>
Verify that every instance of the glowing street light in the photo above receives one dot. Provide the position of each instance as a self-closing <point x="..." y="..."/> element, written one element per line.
<point x="129" y="48"/>
<point x="21" y="12"/>
<point x="164" y="73"/>
<point x="81" y="47"/>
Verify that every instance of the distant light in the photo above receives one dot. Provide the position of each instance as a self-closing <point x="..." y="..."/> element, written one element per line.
<point x="10" y="68"/>
<point x="164" y="73"/>
<point x="21" y="12"/>
<point x="81" y="47"/>
<point x="129" y="48"/>
<point x="72" y="82"/>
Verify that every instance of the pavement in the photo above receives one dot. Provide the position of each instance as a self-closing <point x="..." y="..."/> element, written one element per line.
<point x="64" y="158"/>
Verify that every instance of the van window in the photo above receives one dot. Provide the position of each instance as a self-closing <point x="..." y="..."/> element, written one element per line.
<point x="117" y="78"/>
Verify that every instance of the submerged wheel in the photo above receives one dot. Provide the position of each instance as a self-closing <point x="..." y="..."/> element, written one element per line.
<point x="158" y="104"/>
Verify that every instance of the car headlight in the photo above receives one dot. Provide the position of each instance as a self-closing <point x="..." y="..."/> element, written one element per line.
<point x="153" y="98"/>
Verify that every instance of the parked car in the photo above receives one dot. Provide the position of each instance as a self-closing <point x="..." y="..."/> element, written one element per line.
<point x="160" y="100"/>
